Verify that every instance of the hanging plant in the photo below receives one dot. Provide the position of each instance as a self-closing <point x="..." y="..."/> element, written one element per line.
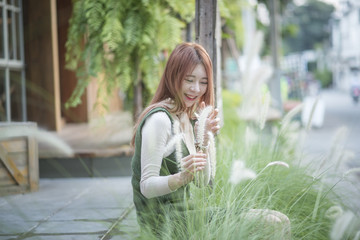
<point x="123" y="40"/>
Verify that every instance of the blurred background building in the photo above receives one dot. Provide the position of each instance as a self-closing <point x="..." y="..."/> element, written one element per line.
<point x="345" y="26"/>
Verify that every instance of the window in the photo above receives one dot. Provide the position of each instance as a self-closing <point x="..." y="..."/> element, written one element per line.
<point x="12" y="73"/>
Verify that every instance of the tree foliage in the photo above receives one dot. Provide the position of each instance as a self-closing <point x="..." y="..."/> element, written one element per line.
<point x="312" y="21"/>
<point x="122" y="39"/>
<point x="231" y="13"/>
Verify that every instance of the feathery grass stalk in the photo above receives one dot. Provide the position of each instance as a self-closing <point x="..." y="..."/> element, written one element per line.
<point x="202" y="125"/>
<point x="288" y="117"/>
<point x="239" y="172"/>
<point x="341" y="225"/>
<point x="172" y="143"/>
<point x="251" y="139"/>
<point x="351" y="171"/>
<point x="264" y="110"/>
<point x="334" y="212"/>
<point x="309" y="123"/>
<point x="178" y="148"/>
<point x="212" y="152"/>
<point x="277" y="163"/>
<point x="337" y="148"/>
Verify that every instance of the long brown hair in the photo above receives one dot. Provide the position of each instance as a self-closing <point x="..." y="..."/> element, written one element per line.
<point x="182" y="61"/>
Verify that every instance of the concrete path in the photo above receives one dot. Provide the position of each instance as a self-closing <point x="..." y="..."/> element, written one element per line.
<point x="334" y="148"/>
<point x="65" y="209"/>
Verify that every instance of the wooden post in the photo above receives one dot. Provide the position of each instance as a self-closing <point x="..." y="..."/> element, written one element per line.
<point x="208" y="34"/>
<point x="189" y="35"/>
<point x="56" y="71"/>
<point x="274" y="83"/>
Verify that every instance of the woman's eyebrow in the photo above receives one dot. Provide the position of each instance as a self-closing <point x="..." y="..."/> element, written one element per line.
<point x="195" y="76"/>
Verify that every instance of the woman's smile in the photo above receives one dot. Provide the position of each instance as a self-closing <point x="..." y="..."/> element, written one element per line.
<point x="194" y="85"/>
<point x="190" y="97"/>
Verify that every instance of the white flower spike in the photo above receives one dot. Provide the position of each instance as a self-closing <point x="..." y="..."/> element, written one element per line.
<point x="240" y="173"/>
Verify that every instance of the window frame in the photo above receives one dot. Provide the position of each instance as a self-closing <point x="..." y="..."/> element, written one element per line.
<point x="8" y="64"/>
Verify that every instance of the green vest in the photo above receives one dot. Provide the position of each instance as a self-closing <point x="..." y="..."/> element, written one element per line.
<point x="150" y="211"/>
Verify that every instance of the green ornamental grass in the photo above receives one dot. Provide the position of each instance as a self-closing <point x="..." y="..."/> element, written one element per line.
<point x="257" y="175"/>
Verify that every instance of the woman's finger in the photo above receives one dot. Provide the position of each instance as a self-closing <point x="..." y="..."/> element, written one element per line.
<point x="196" y="155"/>
<point x="213" y="114"/>
<point x="215" y="129"/>
<point x="187" y="158"/>
<point x="193" y="167"/>
<point x="194" y="161"/>
<point x="199" y="158"/>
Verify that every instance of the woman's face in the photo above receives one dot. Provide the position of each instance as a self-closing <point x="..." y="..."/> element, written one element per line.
<point x="194" y="85"/>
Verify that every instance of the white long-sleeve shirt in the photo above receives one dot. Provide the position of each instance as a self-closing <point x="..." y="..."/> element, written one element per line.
<point x="156" y="134"/>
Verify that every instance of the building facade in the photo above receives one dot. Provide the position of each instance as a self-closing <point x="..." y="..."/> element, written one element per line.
<point x="345" y="53"/>
<point x="34" y="82"/>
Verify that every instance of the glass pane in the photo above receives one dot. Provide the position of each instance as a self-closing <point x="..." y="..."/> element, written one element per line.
<point x="2" y="54"/>
<point x="10" y="36"/>
<point x="2" y="96"/>
<point x="16" y="95"/>
<point x="17" y="36"/>
<point x="17" y="3"/>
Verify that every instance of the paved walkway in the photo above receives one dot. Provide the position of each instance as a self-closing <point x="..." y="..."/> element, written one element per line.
<point x="337" y="155"/>
<point x="65" y="209"/>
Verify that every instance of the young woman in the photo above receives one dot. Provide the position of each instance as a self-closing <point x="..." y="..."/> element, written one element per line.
<point x="157" y="180"/>
<point x="159" y="183"/>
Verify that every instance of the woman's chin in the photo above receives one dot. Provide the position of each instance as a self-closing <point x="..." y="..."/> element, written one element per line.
<point x="189" y="105"/>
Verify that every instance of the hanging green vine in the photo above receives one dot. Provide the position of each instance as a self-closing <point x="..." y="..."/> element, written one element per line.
<point x="122" y="39"/>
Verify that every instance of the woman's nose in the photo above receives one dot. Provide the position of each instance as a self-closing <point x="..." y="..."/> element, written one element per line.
<point x="195" y="87"/>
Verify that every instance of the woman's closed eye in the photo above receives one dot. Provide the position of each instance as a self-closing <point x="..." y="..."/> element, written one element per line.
<point x="205" y="83"/>
<point x="189" y="80"/>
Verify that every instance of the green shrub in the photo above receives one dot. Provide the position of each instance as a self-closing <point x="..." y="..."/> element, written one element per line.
<point x="325" y="77"/>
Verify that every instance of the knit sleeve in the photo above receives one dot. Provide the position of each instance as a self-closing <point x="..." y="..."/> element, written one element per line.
<point x="155" y="134"/>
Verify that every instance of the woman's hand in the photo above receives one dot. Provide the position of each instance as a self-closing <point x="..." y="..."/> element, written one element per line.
<point x="211" y="124"/>
<point x="192" y="164"/>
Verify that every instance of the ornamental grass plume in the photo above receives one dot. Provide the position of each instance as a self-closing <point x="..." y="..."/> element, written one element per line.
<point x="212" y="151"/>
<point x="342" y="226"/>
<point x="254" y="78"/>
<point x="288" y="117"/>
<point x="251" y="138"/>
<point x="309" y="123"/>
<point x="338" y="146"/>
<point x="175" y="143"/>
<point x="264" y="109"/>
<point x="334" y="212"/>
<point x="240" y="173"/>
<point x="200" y="133"/>
<point x="178" y="146"/>
<point x="277" y="163"/>
<point x="337" y="149"/>
<point x="352" y="171"/>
